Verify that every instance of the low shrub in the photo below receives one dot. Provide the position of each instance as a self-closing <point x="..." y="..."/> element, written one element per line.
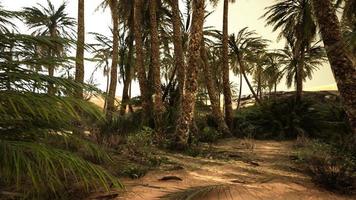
<point x="330" y="166"/>
<point x="209" y="135"/>
<point x="118" y="125"/>
<point x="282" y="118"/>
<point x="135" y="171"/>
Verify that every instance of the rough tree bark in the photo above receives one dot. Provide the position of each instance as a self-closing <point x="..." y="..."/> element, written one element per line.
<point x="185" y="121"/>
<point x="79" y="61"/>
<point x="140" y="68"/>
<point x="128" y="71"/>
<point x="178" y="49"/>
<point x="343" y="69"/>
<point x="213" y="94"/>
<point x="115" y="57"/>
<point x="156" y="69"/>
<point x="226" y="70"/>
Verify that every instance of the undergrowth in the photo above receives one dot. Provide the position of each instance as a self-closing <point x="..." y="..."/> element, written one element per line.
<point x="331" y="166"/>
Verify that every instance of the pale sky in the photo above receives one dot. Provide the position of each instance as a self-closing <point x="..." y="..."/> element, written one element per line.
<point x="241" y="14"/>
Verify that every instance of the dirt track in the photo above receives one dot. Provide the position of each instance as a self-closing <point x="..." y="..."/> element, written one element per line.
<point x="241" y="169"/>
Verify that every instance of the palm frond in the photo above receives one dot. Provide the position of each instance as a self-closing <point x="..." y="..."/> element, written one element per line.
<point x="47" y="168"/>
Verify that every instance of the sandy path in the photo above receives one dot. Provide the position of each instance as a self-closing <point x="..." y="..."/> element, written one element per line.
<point x="252" y="169"/>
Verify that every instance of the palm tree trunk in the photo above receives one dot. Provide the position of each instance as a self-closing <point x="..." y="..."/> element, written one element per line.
<point x="213" y="94"/>
<point x="299" y="74"/>
<point x="242" y="68"/>
<point x="178" y="49"/>
<point x="106" y="92"/>
<point x="115" y="57"/>
<point x="343" y="69"/>
<point x="185" y="121"/>
<point x="226" y="70"/>
<point x="140" y="68"/>
<point x="128" y="76"/>
<point x="156" y="69"/>
<point x="240" y="93"/>
<point x="79" y="61"/>
<point x="259" y="87"/>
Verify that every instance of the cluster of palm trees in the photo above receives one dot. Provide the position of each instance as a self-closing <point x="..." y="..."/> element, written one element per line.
<point x="245" y="54"/>
<point x="173" y="56"/>
<point x="144" y="32"/>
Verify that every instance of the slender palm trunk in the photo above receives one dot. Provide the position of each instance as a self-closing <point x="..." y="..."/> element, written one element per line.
<point x="259" y="85"/>
<point x="106" y="92"/>
<point x="343" y="69"/>
<point x="156" y="69"/>
<point x="299" y="55"/>
<point x="128" y="76"/>
<point x="240" y="93"/>
<point x="213" y="94"/>
<point x="51" y="89"/>
<point x="226" y="70"/>
<point x="79" y="62"/>
<point x="140" y="68"/>
<point x="185" y="122"/>
<point x="242" y="68"/>
<point x="115" y="57"/>
<point x="178" y="49"/>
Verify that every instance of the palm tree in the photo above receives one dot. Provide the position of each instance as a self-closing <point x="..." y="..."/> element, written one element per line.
<point x="313" y="58"/>
<point x="213" y="93"/>
<point x="245" y="46"/>
<point x="127" y="11"/>
<point x="343" y="69"/>
<point x="297" y="23"/>
<point x="226" y="68"/>
<point x="79" y="69"/>
<point x="178" y="48"/>
<point x="140" y="68"/>
<point x="273" y="62"/>
<point x="49" y="21"/>
<point x="113" y="5"/>
<point x="348" y="25"/>
<point x="156" y="71"/>
<point x="102" y="53"/>
<point x="185" y="122"/>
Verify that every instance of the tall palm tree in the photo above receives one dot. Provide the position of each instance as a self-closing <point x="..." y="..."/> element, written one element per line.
<point x="53" y="22"/>
<point x="156" y="67"/>
<point x="113" y="5"/>
<point x="127" y="15"/>
<point x="102" y="53"/>
<point x="213" y="93"/>
<point x="226" y="68"/>
<point x="296" y="22"/>
<point x="185" y="122"/>
<point x="79" y="62"/>
<point x="245" y="46"/>
<point x="178" y="48"/>
<point x="140" y="68"/>
<point x="343" y="69"/>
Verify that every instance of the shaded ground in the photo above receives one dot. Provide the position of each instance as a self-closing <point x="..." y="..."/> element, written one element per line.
<point x="252" y="169"/>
